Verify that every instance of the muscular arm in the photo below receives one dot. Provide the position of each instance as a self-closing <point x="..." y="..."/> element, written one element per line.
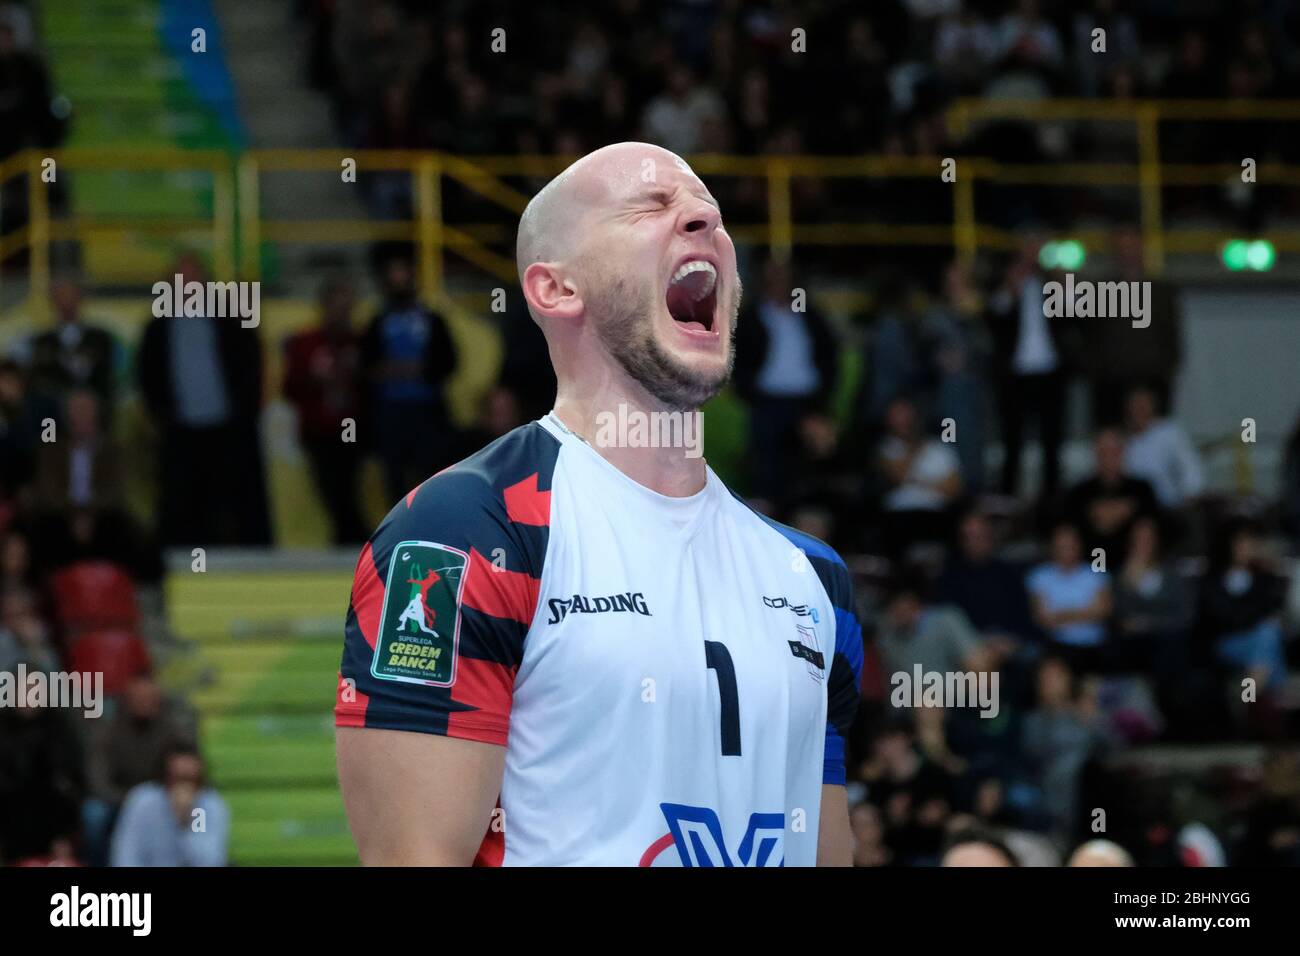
<point x="416" y="799"/>
<point x="834" y="839"/>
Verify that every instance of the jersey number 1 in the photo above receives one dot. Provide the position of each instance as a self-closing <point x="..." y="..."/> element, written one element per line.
<point x="718" y="660"/>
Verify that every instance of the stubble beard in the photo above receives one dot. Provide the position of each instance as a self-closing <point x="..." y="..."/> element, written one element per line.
<point x="627" y="332"/>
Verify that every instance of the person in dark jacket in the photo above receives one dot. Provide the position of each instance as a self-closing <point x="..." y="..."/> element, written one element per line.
<point x="75" y="354"/>
<point x="1034" y="357"/>
<point x="408" y="354"/>
<point x="201" y="377"/>
<point x="1116" y="356"/>
<point x="1241" y="606"/>
<point x="41" y="780"/>
<point x="1106" y="505"/>
<point x="786" y="371"/>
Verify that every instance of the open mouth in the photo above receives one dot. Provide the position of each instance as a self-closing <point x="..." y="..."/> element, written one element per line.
<point x="693" y="295"/>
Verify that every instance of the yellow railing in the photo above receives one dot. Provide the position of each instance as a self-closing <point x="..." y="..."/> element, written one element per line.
<point x="238" y="227"/>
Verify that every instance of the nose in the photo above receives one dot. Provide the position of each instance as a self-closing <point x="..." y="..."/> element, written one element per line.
<point x="699" y="216"/>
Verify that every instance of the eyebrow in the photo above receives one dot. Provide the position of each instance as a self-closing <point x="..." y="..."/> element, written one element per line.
<point x="662" y="194"/>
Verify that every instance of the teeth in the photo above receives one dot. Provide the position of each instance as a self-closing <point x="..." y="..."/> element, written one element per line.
<point x="697" y="265"/>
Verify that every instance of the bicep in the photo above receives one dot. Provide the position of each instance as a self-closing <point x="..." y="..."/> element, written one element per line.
<point x="417" y="799"/>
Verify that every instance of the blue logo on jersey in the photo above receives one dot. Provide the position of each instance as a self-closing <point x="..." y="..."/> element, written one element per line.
<point x="697" y="834"/>
<point x="803" y="610"/>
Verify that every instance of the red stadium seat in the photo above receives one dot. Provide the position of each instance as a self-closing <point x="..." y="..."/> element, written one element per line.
<point x="94" y="594"/>
<point x="118" y="654"/>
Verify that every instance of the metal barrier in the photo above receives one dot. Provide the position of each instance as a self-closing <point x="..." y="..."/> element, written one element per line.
<point x="238" y="228"/>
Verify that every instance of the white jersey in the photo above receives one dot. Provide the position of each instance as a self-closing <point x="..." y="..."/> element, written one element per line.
<point x="672" y="678"/>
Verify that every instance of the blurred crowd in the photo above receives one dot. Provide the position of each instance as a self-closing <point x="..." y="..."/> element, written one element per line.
<point x="725" y="76"/>
<point x="81" y="593"/>
<point x="722" y="76"/>
<point x="1121" y="604"/>
<point x="1120" y="607"/>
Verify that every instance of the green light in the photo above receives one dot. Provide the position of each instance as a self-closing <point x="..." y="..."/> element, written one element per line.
<point x="1260" y="255"/>
<point x="1066" y="254"/>
<point x="1071" y="254"/>
<point x="1235" y="254"/>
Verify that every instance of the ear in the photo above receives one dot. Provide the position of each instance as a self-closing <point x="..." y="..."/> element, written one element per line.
<point x="550" y="294"/>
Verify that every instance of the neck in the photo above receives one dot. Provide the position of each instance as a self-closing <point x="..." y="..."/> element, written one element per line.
<point x="587" y="412"/>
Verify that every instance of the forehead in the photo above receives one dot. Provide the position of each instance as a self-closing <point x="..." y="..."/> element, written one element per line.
<point x="629" y="172"/>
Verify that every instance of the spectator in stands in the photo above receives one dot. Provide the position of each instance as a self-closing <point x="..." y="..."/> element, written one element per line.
<point x="179" y="820"/>
<point x="408" y="355"/>
<point x="923" y="478"/>
<point x="1121" y="39"/>
<point x="125" y="750"/>
<point x="21" y="415"/>
<point x="1240" y="607"/>
<point x="1061" y="735"/>
<point x="963" y="349"/>
<point x="24" y="636"/>
<point x="990" y="590"/>
<point x="868" y="830"/>
<point x="1160" y="451"/>
<point x="1107" y="505"/>
<point x="1032" y="52"/>
<point x="1071" y="602"/>
<point x="1034" y="355"/>
<point x="939" y="638"/>
<point x="78" y="505"/>
<point x="1194" y="73"/>
<point x="1117" y="356"/>
<point x="393" y="125"/>
<point x="965" y="48"/>
<point x="323" y="379"/>
<point x="477" y="129"/>
<point x="786" y="370"/>
<point x="912" y="794"/>
<point x="1191" y="75"/>
<point x="899" y="357"/>
<point x="26" y="117"/>
<point x="74" y="355"/>
<point x="41" y="780"/>
<point x="83" y="469"/>
<point x="675" y="117"/>
<point x="201" y="379"/>
<point x="16" y="567"/>
<point x="1100" y="853"/>
<point x="1273" y="822"/>
<point x="1153" y="606"/>
<point x="864" y="109"/>
<point x="371" y="50"/>
<point x="930" y="722"/>
<point x="977" y="846"/>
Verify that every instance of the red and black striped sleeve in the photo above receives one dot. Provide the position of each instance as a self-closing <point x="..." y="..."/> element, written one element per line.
<point x="444" y="594"/>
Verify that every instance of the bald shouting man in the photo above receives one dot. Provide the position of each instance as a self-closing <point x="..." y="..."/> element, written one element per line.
<point x="630" y="667"/>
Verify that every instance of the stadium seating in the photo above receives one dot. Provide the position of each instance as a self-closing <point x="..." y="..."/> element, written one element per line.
<point x="117" y="653"/>
<point x="262" y="679"/>
<point x="94" y="594"/>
